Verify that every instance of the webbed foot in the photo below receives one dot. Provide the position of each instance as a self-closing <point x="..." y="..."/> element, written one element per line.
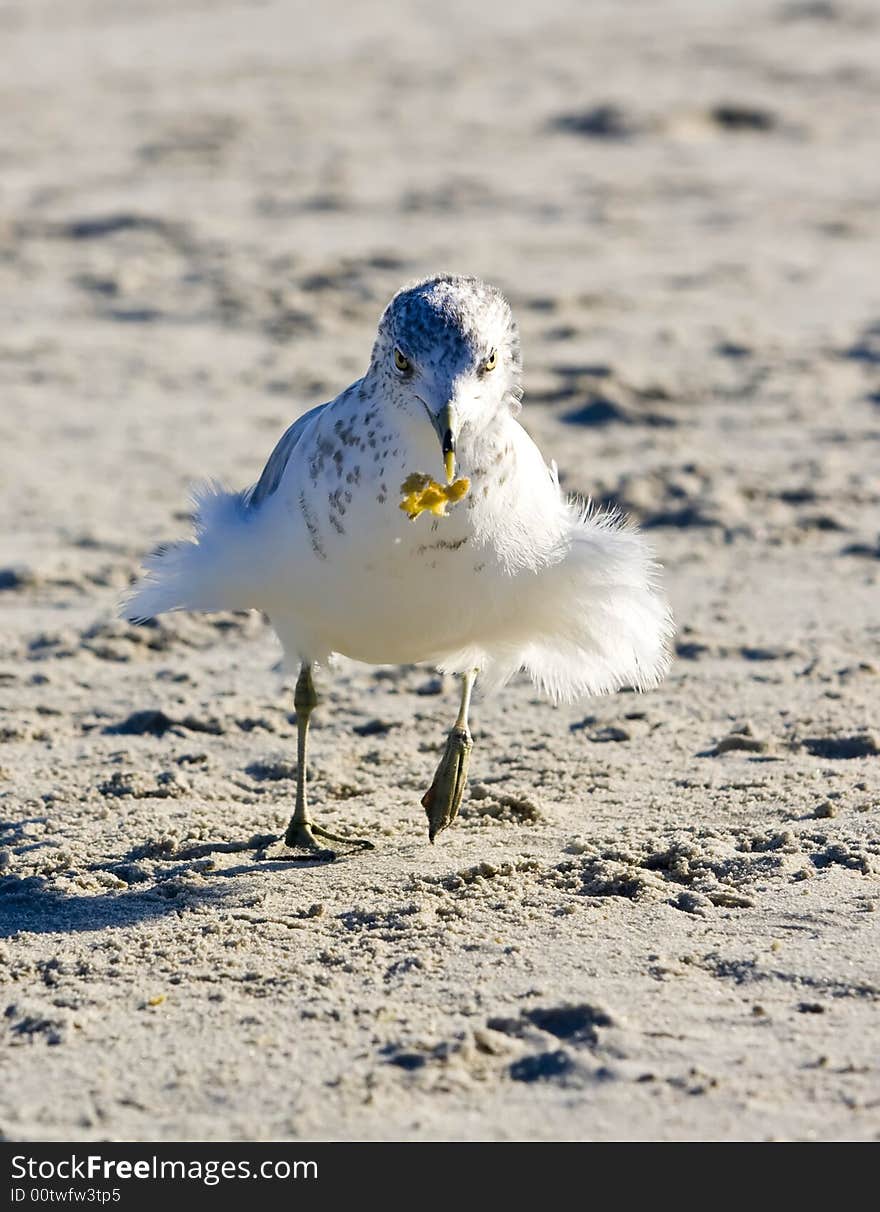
<point x="305" y="835"/>
<point x="442" y="800"/>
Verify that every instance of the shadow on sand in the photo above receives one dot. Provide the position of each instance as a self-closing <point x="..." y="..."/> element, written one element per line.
<point x="33" y="905"/>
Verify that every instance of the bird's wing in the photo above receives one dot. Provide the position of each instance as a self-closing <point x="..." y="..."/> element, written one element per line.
<point x="274" y="469"/>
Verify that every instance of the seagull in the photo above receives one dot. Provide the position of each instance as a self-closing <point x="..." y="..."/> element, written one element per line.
<point x="412" y="519"/>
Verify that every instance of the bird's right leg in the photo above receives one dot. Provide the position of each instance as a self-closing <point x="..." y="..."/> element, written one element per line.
<point x="303" y="832"/>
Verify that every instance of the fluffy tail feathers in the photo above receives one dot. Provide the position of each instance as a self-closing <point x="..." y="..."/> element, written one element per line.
<point x="612" y="625"/>
<point x="212" y="571"/>
<point x="593" y="620"/>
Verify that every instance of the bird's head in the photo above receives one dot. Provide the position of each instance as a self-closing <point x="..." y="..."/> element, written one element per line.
<point x="448" y="351"/>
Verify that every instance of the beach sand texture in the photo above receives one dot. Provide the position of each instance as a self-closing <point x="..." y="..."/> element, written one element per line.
<point x="656" y="917"/>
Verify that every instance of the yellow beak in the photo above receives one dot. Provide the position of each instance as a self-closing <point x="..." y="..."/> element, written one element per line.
<point x="445" y="424"/>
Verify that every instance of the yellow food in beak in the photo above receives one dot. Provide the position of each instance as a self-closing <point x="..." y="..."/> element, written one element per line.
<point x="422" y="494"/>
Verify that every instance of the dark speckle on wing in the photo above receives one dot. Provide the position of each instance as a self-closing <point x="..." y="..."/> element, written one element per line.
<point x="312" y="527"/>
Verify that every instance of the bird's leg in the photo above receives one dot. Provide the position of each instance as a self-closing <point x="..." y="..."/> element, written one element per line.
<point x="302" y="831"/>
<point x="442" y="800"/>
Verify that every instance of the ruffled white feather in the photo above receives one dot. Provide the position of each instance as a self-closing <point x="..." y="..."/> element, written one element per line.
<point x="594" y="613"/>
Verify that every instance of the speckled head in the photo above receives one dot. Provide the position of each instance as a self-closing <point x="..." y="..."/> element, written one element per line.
<point x="451" y="316"/>
<point x="449" y="346"/>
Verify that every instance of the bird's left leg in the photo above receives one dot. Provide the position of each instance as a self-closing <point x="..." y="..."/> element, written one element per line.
<point x="303" y="832"/>
<point x="442" y="800"/>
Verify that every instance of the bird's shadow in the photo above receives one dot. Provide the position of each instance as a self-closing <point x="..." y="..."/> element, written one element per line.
<point x="33" y="905"/>
<point x="29" y="906"/>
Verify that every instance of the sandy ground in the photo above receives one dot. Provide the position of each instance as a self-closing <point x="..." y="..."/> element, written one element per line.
<point x="656" y="917"/>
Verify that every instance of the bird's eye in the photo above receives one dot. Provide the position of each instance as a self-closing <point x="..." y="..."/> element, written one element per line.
<point x="492" y="360"/>
<point x="401" y="361"/>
